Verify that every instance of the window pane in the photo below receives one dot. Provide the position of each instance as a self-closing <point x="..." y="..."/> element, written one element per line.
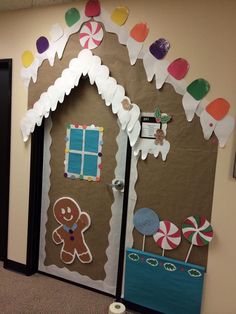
<point x="90" y="165"/>
<point x="91" y="141"/>
<point x="74" y="163"/>
<point x="76" y="139"/>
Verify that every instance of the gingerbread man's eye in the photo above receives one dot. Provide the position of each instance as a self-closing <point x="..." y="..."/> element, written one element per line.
<point x="63" y="211"/>
<point x="68" y="210"/>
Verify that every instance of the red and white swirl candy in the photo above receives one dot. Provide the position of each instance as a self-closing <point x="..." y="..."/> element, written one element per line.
<point x="168" y="235"/>
<point x="91" y="35"/>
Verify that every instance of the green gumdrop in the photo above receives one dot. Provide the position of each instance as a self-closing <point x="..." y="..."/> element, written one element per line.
<point x="72" y="16"/>
<point x="198" y="88"/>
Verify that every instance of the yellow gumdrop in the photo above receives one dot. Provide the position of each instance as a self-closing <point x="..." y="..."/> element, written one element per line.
<point x="120" y="15"/>
<point x="101" y="129"/>
<point x="27" y="58"/>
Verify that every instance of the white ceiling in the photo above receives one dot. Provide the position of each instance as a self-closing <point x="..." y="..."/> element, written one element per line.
<point x="24" y="4"/>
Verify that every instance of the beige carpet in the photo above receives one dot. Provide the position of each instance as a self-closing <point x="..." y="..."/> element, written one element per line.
<point x="42" y="294"/>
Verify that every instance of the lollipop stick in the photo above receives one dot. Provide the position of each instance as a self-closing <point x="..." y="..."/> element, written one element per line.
<point x="143" y="243"/>
<point x="163" y="252"/>
<point x="189" y="251"/>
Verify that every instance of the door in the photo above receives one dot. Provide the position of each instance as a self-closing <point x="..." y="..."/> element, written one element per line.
<point x="5" y="137"/>
<point x="82" y="197"/>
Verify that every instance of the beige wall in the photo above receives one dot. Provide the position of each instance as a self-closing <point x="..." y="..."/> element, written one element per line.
<point x="201" y="31"/>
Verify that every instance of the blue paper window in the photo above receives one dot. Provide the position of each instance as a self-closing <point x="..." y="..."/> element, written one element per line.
<point x="83" y="152"/>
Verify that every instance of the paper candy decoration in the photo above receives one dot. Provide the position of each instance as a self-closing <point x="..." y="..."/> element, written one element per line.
<point x="196" y="91"/>
<point x="168" y="236"/>
<point x="138" y="34"/>
<point x="72" y="16"/>
<point x="27" y="58"/>
<point x="120" y="15"/>
<point x="91" y="35"/>
<point x="152" y="59"/>
<point x="42" y="44"/>
<point x="172" y="73"/>
<point x="214" y="112"/>
<point x="92" y="8"/>
<point x="146" y="221"/>
<point x="198" y="231"/>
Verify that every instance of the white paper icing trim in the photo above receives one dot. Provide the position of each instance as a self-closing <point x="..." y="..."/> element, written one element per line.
<point x="111" y="92"/>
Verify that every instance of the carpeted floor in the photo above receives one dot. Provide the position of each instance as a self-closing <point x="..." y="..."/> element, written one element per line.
<point x="42" y="294"/>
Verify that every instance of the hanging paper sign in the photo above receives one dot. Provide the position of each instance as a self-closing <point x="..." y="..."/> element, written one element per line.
<point x="198" y="231"/>
<point x="70" y="233"/>
<point x="120" y="15"/>
<point x="72" y="16"/>
<point x="92" y="8"/>
<point x="214" y="112"/>
<point x="168" y="236"/>
<point x="152" y="60"/>
<point x="146" y="221"/>
<point x="135" y="42"/>
<point x="27" y="58"/>
<point x="223" y="129"/>
<point x="91" y="35"/>
<point x="42" y="44"/>
<point x="196" y="91"/>
<point x="153" y="135"/>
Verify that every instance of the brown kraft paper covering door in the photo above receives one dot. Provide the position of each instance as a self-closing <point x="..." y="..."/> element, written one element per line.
<point x="175" y="189"/>
<point x="83" y="106"/>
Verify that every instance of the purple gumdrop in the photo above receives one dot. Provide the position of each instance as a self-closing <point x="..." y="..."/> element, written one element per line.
<point x="159" y="48"/>
<point x="42" y="44"/>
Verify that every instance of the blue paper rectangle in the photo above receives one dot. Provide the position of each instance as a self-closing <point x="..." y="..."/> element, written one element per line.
<point x="76" y="139"/>
<point x="90" y="165"/>
<point x="74" y="163"/>
<point x="163" y="284"/>
<point x="91" y="141"/>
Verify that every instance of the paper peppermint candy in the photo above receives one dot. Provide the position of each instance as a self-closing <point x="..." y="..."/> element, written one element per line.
<point x="196" y="91"/>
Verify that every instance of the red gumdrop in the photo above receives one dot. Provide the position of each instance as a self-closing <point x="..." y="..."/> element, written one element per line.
<point x="92" y="8"/>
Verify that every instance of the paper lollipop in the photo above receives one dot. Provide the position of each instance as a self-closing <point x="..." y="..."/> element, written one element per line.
<point x="168" y="236"/>
<point x="135" y="42"/>
<point x="198" y="231"/>
<point x="152" y="59"/>
<point x="91" y="35"/>
<point x="196" y="91"/>
<point x="214" y="112"/>
<point x="146" y="221"/>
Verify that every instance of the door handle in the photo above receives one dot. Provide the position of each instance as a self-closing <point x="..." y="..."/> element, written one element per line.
<point x="117" y="184"/>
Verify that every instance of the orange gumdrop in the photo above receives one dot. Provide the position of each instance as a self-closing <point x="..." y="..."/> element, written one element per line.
<point x="139" y="32"/>
<point x="218" y="108"/>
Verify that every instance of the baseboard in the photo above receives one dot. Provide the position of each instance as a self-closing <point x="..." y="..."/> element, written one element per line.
<point x="15" y="266"/>
<point x="138" y="308"/>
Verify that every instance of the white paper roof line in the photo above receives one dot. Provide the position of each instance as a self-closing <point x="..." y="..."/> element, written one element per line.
<point x="112" y="93"/>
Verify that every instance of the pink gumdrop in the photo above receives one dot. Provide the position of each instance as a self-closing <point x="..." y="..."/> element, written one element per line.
<point x="178" y="68"/>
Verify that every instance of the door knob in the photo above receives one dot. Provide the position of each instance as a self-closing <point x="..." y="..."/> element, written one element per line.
<point x="117" y="184"/>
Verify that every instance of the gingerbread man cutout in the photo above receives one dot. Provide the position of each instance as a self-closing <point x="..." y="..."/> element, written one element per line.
<point x="73" y="224"/>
